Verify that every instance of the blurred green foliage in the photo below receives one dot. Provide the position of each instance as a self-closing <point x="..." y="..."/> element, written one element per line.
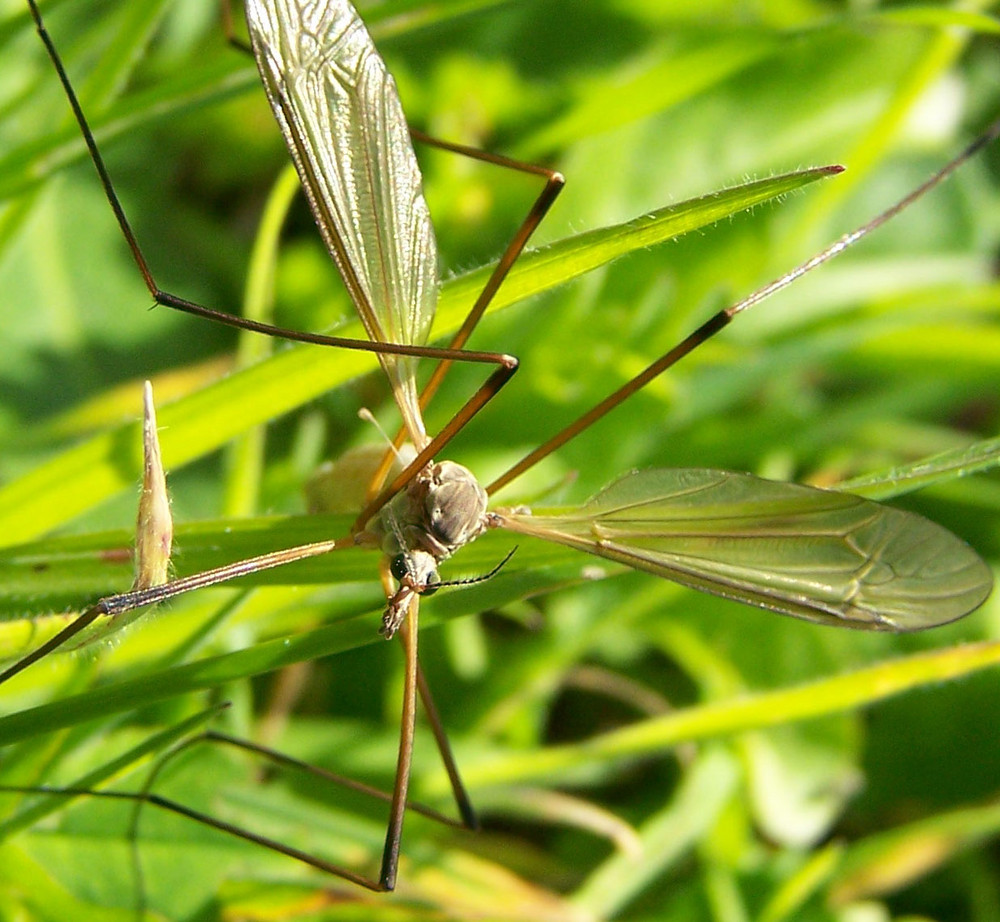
<point x="638" y="751"/>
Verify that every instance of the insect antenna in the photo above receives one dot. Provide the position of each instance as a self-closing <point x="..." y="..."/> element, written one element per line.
<point x="472" y="580"/>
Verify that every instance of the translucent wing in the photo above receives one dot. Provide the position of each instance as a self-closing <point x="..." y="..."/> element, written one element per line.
<point x="340" y="114"/>
<point x="816" y="554"/>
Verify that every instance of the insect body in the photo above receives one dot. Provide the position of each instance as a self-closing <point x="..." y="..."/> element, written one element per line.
<point x="440" y="511"/>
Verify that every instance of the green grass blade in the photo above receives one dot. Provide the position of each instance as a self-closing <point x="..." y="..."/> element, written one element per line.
<point x="83" y="476"/>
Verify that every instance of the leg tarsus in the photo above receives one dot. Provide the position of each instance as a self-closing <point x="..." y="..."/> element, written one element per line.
<point x="554" y="182"/>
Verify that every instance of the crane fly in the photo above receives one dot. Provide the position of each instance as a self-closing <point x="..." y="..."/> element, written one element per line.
<point x="820" y="555"/>
<point x="823" y="556"/>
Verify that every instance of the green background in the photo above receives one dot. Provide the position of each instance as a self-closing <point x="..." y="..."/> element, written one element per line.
<point x="638" y="751"/>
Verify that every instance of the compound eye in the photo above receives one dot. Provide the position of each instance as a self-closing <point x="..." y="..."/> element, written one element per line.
<point x="399" y="567"/>
<point x="432" y="584"/>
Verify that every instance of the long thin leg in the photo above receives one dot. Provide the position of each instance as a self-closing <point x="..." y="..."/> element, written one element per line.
<point x="462" y="800"/>
<point x="286" y="761"/>
<point x="554" y="182"/>
<point x="138" y="598"/>
<point x="146" y="796"/>
<point x="723" y="317"/>
<point x="213" y="822"/>
<point x="461" y="796"/>
<point x="407" y="723"/>
<point x="704" y="332"/>
<point x="123" y="602"/>
<point x="167" y="299"/>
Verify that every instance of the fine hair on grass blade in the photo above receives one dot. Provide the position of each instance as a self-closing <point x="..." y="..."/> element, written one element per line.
<point x="792" y="549"/>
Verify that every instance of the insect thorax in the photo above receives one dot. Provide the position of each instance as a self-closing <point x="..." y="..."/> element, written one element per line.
<point x="442" y="509"/>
